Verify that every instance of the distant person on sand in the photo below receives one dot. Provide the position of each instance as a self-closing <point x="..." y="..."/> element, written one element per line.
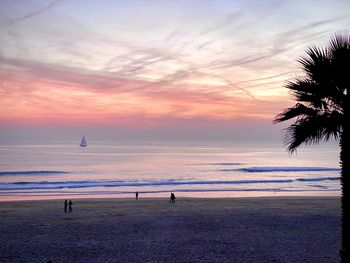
<point x="137" y="195"/>
<point x="172" y="198"/>
<point x="70" y="206"/>
<point x="65" y="206"/>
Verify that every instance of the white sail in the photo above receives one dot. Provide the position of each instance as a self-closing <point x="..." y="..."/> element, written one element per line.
<point x="83" y="142"/>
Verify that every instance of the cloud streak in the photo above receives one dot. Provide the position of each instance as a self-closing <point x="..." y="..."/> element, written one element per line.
<point x="223" y="62"/>
<point x="31" y="14"/>
<point x="51" y="91"/>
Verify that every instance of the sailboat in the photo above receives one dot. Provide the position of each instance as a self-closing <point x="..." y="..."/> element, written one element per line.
<point x="83" y="142"/>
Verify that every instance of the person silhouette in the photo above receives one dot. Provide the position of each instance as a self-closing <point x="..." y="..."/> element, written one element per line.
<point x="137" y="195"/>
<point x="172" y="198"/>
<point x="70" y="206"/>
<point x="65" y="206"/>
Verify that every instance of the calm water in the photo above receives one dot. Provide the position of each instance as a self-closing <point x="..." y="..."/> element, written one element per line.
<point x="156" y="169"/>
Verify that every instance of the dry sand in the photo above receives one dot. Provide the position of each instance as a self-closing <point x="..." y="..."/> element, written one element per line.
<point x="293" y="229"/>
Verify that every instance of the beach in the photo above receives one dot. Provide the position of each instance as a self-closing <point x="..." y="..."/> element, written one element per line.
<point x="266" y="229"/>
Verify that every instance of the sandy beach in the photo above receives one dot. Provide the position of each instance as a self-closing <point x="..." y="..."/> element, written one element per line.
<point x="283" y="229"/>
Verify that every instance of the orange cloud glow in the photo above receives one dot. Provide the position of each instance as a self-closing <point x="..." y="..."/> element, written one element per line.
<point x="44" y="94"/>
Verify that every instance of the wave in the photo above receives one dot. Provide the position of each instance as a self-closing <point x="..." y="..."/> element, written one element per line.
<point x="280" y="169"/>
<point x="93" y="183"/>
<point x="31" y="173"/>
<point x="318" y="179"/>
<point x="86" y="184"/>
<point x="99" y="192"/>
<point x="224" y="164"/>
<point x="320" y="186"/>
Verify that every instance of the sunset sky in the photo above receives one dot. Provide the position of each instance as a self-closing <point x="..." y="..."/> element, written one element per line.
<point x="154" y="69"/>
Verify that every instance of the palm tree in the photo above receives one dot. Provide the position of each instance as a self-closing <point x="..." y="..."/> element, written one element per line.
<point x="322" y="111"/>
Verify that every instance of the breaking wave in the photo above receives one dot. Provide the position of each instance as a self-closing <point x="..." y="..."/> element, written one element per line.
<point x="318" y="179"/>
<point x="280" y="169"/>
<point x="94" y="183"/>
<point x="224" y="164"/>
<point x="31" y="173"/>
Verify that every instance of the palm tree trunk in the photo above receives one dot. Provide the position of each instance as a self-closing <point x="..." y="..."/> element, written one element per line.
<point x="345" y="183"/>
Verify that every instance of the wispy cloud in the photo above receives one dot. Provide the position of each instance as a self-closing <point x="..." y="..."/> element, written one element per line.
<point x="222" y="24"/>
<point x="49" y="90"/>
<point x="222" y="62"/>
<point x="31" y="14"/>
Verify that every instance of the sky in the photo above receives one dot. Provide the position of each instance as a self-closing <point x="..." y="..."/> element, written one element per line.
<point x="154" y="70"/>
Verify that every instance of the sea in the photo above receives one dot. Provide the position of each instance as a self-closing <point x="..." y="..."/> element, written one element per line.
<point x="155" y="169"/>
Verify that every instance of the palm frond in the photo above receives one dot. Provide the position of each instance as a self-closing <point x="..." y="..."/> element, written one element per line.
<point x="316" y="64"/>
<point x="339" y="41"/>
<point x="340" y="57"/>
<point x="321" y="94"/>
<point x="297" y="111"/>
<point x="313" y="129"/>
<point x="304" y="90"/>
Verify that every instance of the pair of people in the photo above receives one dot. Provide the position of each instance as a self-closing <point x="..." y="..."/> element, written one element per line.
<point x="69" y="205"/>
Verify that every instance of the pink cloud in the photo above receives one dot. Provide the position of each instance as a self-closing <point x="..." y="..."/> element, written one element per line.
<point x="41" y="92"/>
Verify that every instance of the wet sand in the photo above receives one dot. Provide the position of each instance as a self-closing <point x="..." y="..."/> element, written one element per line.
<point x="282" y="229"/>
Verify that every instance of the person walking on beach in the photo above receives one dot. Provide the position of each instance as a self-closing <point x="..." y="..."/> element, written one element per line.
<point x="70" y="206"/>
<point x="65" y="206"/>
<point x="137" y="195"/>
<point x="172" y="198"/>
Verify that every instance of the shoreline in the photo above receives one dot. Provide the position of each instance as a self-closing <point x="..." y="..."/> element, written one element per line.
<point x="209" y="194"/>
<point x="153" y="198"/>
<point x="250" y="229"/>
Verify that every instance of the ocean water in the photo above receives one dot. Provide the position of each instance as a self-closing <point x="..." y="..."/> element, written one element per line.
<point x="155" y="169"/>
